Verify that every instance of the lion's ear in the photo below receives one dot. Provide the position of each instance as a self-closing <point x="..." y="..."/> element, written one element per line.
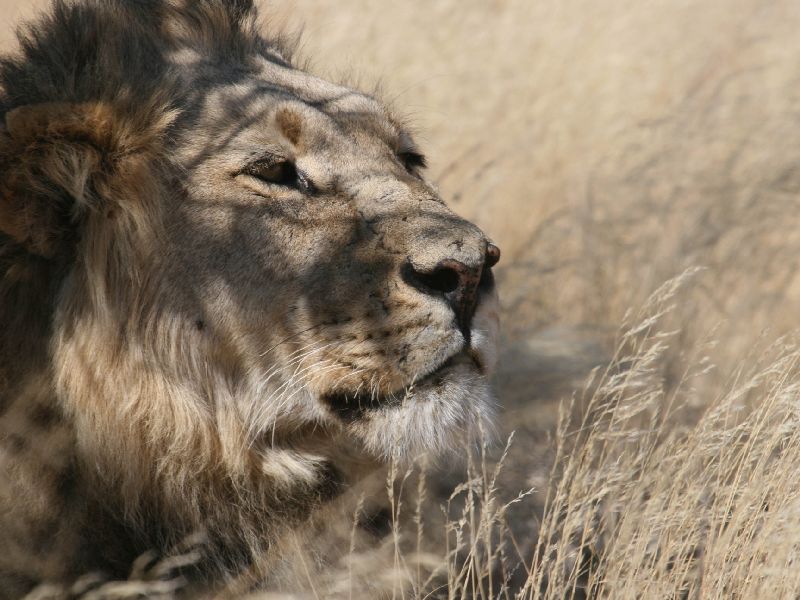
<point x="49" y="156"/>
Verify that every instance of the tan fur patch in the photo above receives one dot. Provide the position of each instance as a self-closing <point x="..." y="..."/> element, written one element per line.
<point x="290" y="124"/>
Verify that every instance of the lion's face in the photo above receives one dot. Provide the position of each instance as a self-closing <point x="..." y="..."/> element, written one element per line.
<point x="310" y="260"/>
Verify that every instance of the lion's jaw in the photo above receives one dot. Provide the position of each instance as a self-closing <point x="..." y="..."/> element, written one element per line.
<point x="442" y="410"/>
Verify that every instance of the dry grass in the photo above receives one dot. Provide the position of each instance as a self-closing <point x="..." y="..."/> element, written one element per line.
<point x="607" y="147"/>
<point x="645" y="499"/>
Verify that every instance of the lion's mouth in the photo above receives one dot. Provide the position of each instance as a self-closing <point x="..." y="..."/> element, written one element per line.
<point x="353" y="405"/>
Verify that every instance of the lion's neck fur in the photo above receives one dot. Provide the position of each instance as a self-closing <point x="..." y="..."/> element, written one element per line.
<point x="37" y="442"/>
<point x="189" y="470"/>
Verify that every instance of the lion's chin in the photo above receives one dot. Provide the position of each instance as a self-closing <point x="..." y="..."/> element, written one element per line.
<point x="438" y="414"/>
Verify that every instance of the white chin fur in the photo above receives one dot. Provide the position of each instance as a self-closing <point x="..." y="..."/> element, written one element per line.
<point x="437" y="418"/>
<point x="431" y="418"/>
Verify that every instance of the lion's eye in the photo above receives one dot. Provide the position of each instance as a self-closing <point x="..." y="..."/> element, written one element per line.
<point x="412" y="160"/>
<point x="280" y="172"/>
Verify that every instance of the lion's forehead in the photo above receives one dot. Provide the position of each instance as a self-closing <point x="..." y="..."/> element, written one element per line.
<point x="240" y="106"/>
<point x="325" y="95"/>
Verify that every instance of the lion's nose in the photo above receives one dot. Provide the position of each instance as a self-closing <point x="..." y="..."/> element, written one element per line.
<point x="492" y="255"/>
<point x="458" y="282"/>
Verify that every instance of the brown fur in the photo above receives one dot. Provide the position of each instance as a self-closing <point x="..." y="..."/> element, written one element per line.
<point x="187" y="346"/>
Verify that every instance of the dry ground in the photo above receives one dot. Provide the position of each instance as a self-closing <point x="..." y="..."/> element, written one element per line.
<point x="607" y="147"/>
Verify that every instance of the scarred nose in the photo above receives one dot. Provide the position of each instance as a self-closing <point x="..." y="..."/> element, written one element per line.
<point x="458" y="282"/>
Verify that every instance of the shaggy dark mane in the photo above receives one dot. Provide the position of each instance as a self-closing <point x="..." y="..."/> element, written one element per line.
<point x="119" y="51"/>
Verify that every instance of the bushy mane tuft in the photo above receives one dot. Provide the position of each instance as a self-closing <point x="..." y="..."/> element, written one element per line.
<point x="119" y="51"/>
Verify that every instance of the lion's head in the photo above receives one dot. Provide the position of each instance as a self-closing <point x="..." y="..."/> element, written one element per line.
<point x="311" y="263"/>
<point x="251" y="268"/>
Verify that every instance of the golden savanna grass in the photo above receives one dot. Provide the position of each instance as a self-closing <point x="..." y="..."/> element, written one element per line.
<point x="639" y="165"/>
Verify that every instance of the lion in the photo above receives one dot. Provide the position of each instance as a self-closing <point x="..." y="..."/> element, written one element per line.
<point x="227" y="291"/>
